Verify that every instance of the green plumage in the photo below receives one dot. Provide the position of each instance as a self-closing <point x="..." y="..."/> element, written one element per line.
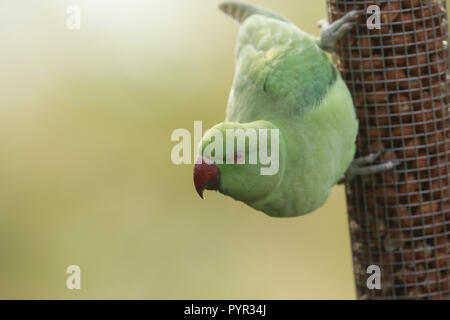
<point x="286" y="81"/>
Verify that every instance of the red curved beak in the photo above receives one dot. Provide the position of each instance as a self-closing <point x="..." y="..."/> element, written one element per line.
<point x="206" y="176"/>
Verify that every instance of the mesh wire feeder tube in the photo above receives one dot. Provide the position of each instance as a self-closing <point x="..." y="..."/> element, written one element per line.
<point x="399" y="78"/>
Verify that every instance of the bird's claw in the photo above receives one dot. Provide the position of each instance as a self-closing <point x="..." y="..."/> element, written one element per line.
<point x="331" y="33"/>
<point x="322" y="23"/>
<point x="365" y="166"/>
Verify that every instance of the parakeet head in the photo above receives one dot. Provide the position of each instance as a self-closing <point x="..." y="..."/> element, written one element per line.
<point x="243" y="161"/>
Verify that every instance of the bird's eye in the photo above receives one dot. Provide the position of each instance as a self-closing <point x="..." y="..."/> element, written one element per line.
<point x="239" y="157"/>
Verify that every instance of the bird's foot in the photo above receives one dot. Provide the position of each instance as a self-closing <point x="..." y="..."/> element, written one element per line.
<point x="335" y="31"/>
<point x="365" y="166"/>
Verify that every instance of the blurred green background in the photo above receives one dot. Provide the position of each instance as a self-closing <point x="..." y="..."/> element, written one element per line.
<point x="85" y="171"/>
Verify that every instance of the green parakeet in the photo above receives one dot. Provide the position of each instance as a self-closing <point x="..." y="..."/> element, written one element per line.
<point x="283" y="80"/>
